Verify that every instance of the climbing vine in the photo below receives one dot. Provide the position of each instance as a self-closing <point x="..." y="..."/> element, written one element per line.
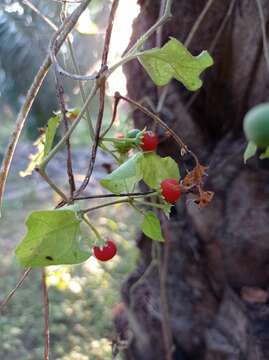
<point x="59" y="236"/>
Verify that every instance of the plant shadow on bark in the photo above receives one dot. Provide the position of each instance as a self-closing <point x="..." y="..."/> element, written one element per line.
<point x="218" y="257"/>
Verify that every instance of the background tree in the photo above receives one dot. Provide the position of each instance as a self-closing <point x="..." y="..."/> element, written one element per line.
<point x="208" y="296"/>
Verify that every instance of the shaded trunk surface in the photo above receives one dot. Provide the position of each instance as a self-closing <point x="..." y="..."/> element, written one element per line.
<point x="209" y="296"/>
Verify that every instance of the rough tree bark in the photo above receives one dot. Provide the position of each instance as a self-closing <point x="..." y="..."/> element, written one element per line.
<point x="218" y="258"/>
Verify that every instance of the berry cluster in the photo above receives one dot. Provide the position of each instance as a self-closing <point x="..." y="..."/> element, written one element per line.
<point x="148" y="141"/>
<point x="169" y="189"/>
<point x="145" y="140"/>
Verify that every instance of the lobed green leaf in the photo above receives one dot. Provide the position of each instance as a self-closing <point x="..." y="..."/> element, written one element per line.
<point x="155" y="169"/>
<point x="173" y="60"/>
<point x="53" y="238"/>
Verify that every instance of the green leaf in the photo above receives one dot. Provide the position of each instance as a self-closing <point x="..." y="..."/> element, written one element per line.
<point x="53" y="124"/>
<point x="124" y="177"/>
<point x="265" y="155"/>
<point x="43" y="144"/>
<point x="250" y="151"/>
<point x="52" y="238"/>
<point x="35" y="159"/>
<point x="155" y="169"/>
<point x="151" y="226"/>
<point x="173" y="60"/>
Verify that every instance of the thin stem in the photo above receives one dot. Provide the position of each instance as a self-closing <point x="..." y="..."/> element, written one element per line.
<point x="61" y="70"/>
<point x="130" y="140"/>
<point x="166" y="16"/>
<point x="46" y="316"/>
<point x="160" y="29"/>
<point x="213" y="45"/>
<point x="94" y="230"/>
<point x="198" y="22"/>
<point x="43" y="174"/>
<point x="121" y="62"/>
<point x="148" y="203"/>
<point x="115" y="108"/>
<point x="60" y="91"/>
<point x="104" y="55"/>
<point x="133" y="53"/>
<point x="138" y="194"/>
<point x="69" y="167"/>
<point x="80" y="83"/>
<point x="81" y="88"/>
<point x="162" y="99"/>
<point x="104" y="148"/>
<point x="96" y="139"/>
<point x="5" y="302"/>
<point x="105" y="205"/>
<point x="102" y="89"/>
<point x="109" y="32"/>
<point x="39" y="13"/>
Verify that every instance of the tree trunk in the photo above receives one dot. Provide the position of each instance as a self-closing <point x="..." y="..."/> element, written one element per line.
<point x="207" y="298"/>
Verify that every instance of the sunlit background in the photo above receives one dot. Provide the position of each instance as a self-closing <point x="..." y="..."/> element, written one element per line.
<point x="120" y="38"/>
<point x="119" y="41"/>
<point x="82" y="297"/>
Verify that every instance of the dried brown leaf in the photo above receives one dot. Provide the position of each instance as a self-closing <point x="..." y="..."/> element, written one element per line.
<point x="195" y="176"/>
<point x="204" y="198"/>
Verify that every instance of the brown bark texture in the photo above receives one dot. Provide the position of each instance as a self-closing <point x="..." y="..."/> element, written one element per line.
<point x="207" y="299"/>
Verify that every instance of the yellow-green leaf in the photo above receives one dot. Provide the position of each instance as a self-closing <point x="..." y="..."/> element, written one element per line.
<point x="35" y="159"/>
<point x="53" y="124"/>
<point x="173" y="60"/>
<point x="43" y="146"/>
<point x="53" y="238"/>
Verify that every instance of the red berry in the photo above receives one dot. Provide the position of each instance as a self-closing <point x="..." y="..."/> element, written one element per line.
<point x="149" y="141"/>
<point x="106" y="252"/>
<point x="170" y="190"/>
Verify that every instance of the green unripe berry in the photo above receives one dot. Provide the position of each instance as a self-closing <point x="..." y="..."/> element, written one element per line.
<point x="256" y="125"/>
<point x="133" y="133"/>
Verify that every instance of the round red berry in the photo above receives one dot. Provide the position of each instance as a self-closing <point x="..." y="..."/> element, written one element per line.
<point x="170" y="190"/>
<point x="106" y="252"/>
<point x="149" y="141"/>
